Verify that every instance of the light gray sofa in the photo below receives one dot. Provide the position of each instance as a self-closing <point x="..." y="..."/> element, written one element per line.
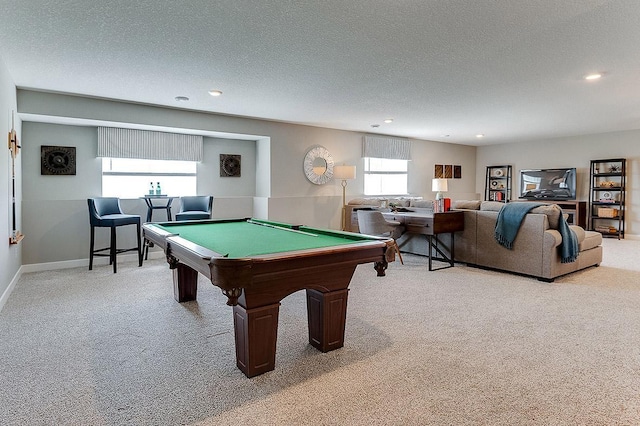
<point x="535" y="250"/>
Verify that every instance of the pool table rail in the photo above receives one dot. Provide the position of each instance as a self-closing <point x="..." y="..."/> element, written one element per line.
<point x="288" y="272"/>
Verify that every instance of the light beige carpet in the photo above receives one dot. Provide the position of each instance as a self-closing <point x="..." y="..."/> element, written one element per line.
<point x="451" y="347"/>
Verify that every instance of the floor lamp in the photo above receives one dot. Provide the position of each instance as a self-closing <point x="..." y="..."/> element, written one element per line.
<point x="344" y="173"/>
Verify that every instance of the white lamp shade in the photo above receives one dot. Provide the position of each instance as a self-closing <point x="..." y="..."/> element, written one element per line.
<point x="439" y="185"/>
<point x="344" y="172"/>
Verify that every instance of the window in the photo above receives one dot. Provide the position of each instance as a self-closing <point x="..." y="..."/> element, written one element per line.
<point x="383" y="176"/>
<point x="130" y="177"/>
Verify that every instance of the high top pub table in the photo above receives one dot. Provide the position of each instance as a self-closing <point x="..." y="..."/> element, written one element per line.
<point x="149" y="199"/>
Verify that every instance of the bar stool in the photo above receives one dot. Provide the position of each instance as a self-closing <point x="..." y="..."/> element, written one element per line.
<point x="105" y="212"/>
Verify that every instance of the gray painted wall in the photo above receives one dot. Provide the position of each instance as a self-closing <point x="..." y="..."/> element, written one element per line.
<point x="10" y="255"/>
<point x="272" y="183"/>
<point x="576" y="152"/>
<point x="56" y="208"/>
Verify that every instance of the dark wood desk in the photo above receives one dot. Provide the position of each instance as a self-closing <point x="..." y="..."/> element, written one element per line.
<point x="431" y="225"/>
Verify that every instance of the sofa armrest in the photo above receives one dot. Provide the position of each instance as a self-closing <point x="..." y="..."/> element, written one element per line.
<point x="552" y="238"/>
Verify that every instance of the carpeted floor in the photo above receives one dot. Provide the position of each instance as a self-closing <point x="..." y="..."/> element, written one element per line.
<point x="451" y="347"/>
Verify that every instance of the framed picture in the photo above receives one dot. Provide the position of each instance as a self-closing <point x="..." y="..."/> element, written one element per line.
<point x="448" y="171"/>
<point x="230" y="165"/>
<point x="57" y="160"/>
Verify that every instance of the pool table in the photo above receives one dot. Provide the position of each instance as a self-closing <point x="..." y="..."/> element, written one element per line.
<point x="257" y="263"/>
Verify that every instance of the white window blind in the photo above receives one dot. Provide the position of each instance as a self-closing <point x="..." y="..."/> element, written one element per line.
<point x="144" y="144"/>
<point x="382" y="147"/>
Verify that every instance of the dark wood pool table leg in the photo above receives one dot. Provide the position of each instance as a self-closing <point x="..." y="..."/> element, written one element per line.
<point x="256" y="331"/>
<point x="185" y="283"/>
<point x="327" y="314"/>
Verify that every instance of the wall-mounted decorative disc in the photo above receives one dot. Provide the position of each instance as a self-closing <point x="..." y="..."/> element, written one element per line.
<point x="318" y="165"/>
<point x="230" y="165"/>
<point x="57" y="160"/>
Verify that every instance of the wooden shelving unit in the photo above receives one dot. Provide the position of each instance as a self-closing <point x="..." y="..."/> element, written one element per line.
<point x="607" y="192"/>
<point x="498" y="184"/>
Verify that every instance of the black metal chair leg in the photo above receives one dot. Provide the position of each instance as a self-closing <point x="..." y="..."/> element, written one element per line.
<point x="113" y="248"/>
<point x="91" y="248"/>
<point x="139" y="244"/>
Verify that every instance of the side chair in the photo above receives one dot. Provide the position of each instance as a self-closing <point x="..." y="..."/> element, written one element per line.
<point x="372" y="222"/>
<point x="195" y="207"/>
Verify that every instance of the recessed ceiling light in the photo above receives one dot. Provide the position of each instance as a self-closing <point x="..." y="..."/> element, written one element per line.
<point x="215" y="92"/>
<point x="181" y="98"/>
<point x="480" y="135"/>
<point x="388" y="120"/>
<point x="593" y="76"/>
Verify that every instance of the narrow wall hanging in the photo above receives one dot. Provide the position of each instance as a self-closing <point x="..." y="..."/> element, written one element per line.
<point x="14" y="148"/>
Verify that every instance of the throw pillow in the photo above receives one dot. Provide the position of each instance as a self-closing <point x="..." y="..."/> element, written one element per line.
<point x="552" y="211"/>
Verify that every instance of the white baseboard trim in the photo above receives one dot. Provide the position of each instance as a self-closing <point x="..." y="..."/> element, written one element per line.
<point x="84" y="263"/>
<point x="9" y="289"/>
<point x="66" y="264"/>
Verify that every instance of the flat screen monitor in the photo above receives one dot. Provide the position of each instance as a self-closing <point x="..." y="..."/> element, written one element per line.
<point x="548" y="184"/>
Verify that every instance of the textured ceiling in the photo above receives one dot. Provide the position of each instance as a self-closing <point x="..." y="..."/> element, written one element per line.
<point x="509" y="69"/>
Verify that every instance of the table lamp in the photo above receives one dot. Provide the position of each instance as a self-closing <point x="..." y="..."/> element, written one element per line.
<point x="439" y="186"/>
<point x="344" y="173"/>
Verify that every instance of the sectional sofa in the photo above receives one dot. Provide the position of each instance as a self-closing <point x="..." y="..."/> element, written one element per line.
<point x="535" y="250"/>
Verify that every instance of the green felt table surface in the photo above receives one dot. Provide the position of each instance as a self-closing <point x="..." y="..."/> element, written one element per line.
<point x="237" y="239"/>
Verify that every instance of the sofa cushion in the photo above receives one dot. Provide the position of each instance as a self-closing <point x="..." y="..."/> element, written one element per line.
<point x="466" y="204"/>
<point x="421" y="203"/>
<point x="366" y="201"/>
<point x="551" y="210"/>
<point x="492" y="206"/>
<point x="400" y="201"/>
<point x="591" y="240"/>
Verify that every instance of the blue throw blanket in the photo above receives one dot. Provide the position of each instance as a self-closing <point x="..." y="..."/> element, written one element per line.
<point x="569" y="249"/>
<point x="510" y="217"/>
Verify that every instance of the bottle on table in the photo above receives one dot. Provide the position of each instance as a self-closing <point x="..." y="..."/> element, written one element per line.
<point x="158" y="190"/>
<point x="151" y="189"/>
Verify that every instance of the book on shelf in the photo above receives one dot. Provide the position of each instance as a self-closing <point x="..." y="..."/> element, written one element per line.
<point x="606" y="229"/>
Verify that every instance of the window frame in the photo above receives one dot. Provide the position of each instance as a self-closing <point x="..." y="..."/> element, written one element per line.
<point x="382" y="173"/>
<point x="153" y="176"/>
